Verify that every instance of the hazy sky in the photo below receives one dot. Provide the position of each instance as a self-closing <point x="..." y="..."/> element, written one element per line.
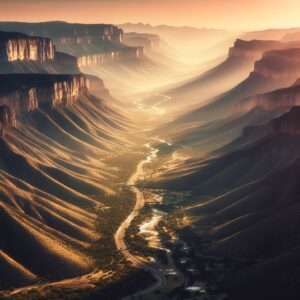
<point x="230" y="14"/>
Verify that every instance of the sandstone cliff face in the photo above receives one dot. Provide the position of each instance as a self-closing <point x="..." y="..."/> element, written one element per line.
<point x="279" y="64"/>
<point x="19" y="47"/>
<point x="26" y="93"/>
<point x="7" y="118"/>
<point x="281" y="100"/>
<point x="63" y="32"/>
<point x="281" y="67"/>
<point x="20" y="53"/>
<point x="74" y="39"/>
<point x="90" y="36"/>
<point x="252" y="49"/>
<point x="68" y="91"/>
<point x="92" y="44"/>
<point x="96" y="87"/>
<point x="125" y="54"/>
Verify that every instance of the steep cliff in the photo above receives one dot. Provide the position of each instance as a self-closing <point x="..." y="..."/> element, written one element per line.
<point x="25" y="93"/>
<point x="65" y="33"/>
<point x="279" y="64"/>
<point x="96" y="86"/>
<point x="20" y="53"/>
<point x="7" y="118"/>
<point x="19" y="47"/>
<point x="80" y="40"/>
<point x="253" y="49"/>
<point x="128" y="53"/>
<point x="54" y="175"/>
<point x="237" y="66"/>
<point x="281" y="100"/>
<point x="252" y="210"/>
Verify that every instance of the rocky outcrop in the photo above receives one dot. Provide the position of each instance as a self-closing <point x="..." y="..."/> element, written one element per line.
<point x="7" y="118"/>
<point x="78" y="34"/>
<point x="75" y="39"/>
<point x="62" y="64"/>
<point x="25" y="93"/>
<point x="96" y="87"/>
<point x="126" y="54"/>
<point x="280" y="64"/>
<point x="281" y="100"/>
<point x="91" y="43"/>
<point x="18" y="47"/>
<point x="20" y="53"/>
<point x="65" y="33"/>
<point x="252" y="49"/>
<point x="255" y="49"/>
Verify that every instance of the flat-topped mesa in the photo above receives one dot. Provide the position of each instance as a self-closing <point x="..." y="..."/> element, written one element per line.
<point x="86" y="33"/>
<point x="63" y="32"/>
<point x="80" y="39"/>
<point x="125" y="54"/>
<point x="24" y="93"/>
<point x="252" y="49"/>
<point x="16" y="47"/>
<point x="91" y="43"/>
<point x="74" y="39"/>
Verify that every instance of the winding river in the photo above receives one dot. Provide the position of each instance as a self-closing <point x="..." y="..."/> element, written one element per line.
<point x="148" y="229"/>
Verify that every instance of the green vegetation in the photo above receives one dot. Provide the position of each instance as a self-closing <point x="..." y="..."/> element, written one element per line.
<point x="109" y="219"/>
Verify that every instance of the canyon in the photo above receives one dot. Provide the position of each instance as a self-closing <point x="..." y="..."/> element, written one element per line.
<point x="38" y="90"/>
<point x="126" y="173"/>
<point x="99" y="43"/>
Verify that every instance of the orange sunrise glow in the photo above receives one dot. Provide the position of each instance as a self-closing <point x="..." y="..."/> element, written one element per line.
<point x="231" y="14"/>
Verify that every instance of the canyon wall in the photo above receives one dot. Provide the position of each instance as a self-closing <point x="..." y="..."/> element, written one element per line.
<point x="91" y="43"/>
<point x="26" y="93"/>
<point x="123" y="55"/>
<point x="255" y="49"/>
<point x="7" y="118"/>
<point x="20" y="53"/>
<point x="88" y="35"/>
<point x="19" y="47"/>
<point x="279" y="64"/>
<point x="252" y="49"/>
<point x="62" y="32"/>
<point x="281" y="100"/>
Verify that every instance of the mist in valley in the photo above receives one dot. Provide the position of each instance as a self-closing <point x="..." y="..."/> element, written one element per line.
<point x="147" y="161"/>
